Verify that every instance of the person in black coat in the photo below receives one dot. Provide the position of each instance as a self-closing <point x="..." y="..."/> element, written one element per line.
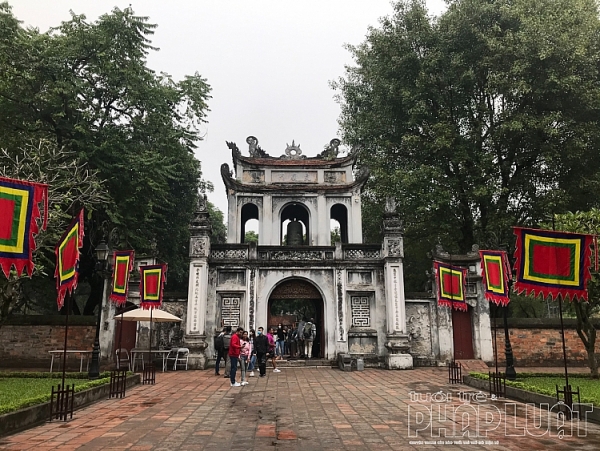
<point x="261" y="345"/>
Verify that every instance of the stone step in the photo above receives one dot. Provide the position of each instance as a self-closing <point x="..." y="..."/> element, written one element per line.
<point x="291" y="363"/>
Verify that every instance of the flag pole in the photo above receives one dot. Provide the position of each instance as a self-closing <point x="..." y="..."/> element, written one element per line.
<point x="562" y="332"/>
<point x="562" y="326"/>
<point x="68" y="303"/>
<point x="495" y="339"/>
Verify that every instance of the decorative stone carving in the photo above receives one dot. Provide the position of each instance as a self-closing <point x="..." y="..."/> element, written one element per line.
<point x="251" y="307"/>
<point x="359" y="254"/>
<point x="296" y="255"/>
<point x="395" y="248"/>
<point x="198" y="246"/>
<point x="234" y="149"/>
<point x="361" y="311"/>
<point x="340" y="296"/>
<point x="293" y="152"/>
<point x="200" y="224"/>
<point x="390" y="205"/>
<point x="225" y="254"/>
<point x="392" y="224"/>
<point x="243" y="200"/>
<point x="334" y="177"/>
<point x="330" y="151"/>
<point x="397" y="344"/>
<point x="230" y="311"/>
<point x="255" y="150"/>
<point x="296" y="289"/>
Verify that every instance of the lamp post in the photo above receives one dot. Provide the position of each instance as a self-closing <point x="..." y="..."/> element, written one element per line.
<point x="102" y="252"/>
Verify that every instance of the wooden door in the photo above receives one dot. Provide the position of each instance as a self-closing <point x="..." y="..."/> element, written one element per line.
<point x="463" y="334"/>
<point x="128" y="336"/>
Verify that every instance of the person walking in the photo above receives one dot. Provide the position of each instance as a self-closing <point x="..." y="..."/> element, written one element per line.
<point x="310" y="331"/>
<point x="271" y="352"/>
<point x="226" y="341"/>
<point x="300" y="338"/>
<point x="244" y="356"/>
<point x="235" y="347"/>
<point x="261" y="345"/>
<point x="280" y="341"/>
<point x="220" y="349"/>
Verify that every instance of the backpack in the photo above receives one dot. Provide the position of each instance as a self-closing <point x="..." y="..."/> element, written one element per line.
<point x="226" y="341"/>
<point x="219" y="343"/>
<point x="308" y="330"/>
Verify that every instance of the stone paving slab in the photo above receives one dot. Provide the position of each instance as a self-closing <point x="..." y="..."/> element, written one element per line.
<point x="306" y="409"/>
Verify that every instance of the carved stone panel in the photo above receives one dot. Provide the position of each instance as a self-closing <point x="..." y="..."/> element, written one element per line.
<point x="418" y="324"/>
<point x="224" y="254"/>
<point x="294" y="176"/>
<point x="253" y="177"/>
<point x="359" y="254"/>
<point x="230" y="311"/>
<point x="198" y="246"/>
<point x="335" y="177"/>
<point x="243" y="200"/>
<point x="231" y="277"/>
<point x="296" y="289"/>
<point x="394" y="247"/>
<point x="296" y="255"/>
<point x="360" y="306"/>
<point x="360" y="277"/>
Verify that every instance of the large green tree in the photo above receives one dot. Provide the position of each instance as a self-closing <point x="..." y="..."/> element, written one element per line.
<point x="86" y="87"/>
<point x="477" y="120"/>
<point x="70" y="186"/>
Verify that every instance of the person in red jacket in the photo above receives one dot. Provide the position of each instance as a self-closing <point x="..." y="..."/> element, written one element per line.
<point x="234" y="355"/>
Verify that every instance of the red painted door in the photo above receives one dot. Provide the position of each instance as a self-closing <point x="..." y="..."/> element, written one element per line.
<point x="463" y="334"/>
<point x="128" y="336"/>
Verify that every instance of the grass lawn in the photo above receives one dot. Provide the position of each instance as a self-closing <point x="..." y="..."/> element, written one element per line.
<point x="21" y="390"/>
<point x="589" y="389"/>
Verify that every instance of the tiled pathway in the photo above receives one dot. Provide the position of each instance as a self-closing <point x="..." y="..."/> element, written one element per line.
<point x="301" y="408"/>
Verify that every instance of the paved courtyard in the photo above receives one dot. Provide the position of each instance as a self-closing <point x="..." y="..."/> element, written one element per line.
<point x="303" y="409"/>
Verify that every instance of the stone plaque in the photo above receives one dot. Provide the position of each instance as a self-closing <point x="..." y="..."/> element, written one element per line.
<point x="360" y="277"/>
<point x="253" y="176"/>
<point x="294" y="177"/>
<point x="232" y="278"/>
<point x="335" y="177"/>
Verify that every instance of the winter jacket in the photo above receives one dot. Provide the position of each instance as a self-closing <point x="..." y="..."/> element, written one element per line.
<point x="235" y="346"/>
<point x="261" y="344"/>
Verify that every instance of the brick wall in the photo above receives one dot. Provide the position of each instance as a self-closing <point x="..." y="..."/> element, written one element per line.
<point x="26" y="345"/>
<point x="538" y="342"/>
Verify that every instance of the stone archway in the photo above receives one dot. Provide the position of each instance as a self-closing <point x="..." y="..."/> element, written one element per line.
<point x="304" y="292"/>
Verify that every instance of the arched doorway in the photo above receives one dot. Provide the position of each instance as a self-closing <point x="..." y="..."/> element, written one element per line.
<point x="294" y="300"/>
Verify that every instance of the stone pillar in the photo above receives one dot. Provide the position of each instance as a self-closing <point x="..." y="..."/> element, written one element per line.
<point x="195" y="332"/>
<point x="320" y="225"/>
<point x="393" y="253"/>
<point x="267" y="234"/>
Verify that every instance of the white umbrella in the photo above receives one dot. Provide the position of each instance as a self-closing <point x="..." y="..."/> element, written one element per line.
<point x="155" y="315"/>
<point x="152" y="315"/>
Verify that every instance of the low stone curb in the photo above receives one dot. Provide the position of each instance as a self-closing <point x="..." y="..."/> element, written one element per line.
<point x="525" y="396"/>
<point x="34" y="415"/>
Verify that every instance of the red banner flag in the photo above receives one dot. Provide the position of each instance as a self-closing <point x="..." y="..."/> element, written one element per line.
<point x="122" y="266"/>
<point x="496" y="274"/>
<point x="152" y="282"/>
<point x="553" y="263"/>
<point x="451" y="285"/>
<point x="19" y="214"/>
<point x="67" y="259"/>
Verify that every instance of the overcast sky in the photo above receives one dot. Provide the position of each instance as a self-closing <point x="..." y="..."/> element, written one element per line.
<point x="269" y="63"/>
